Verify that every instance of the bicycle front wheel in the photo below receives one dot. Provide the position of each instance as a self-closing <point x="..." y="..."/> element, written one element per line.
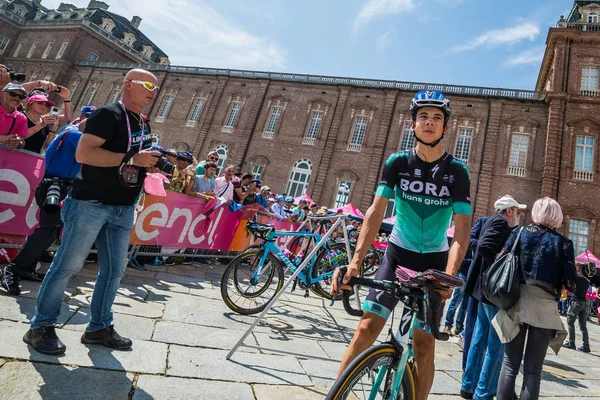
<point x="371" y="376"/>
<point x="247" y="286"/>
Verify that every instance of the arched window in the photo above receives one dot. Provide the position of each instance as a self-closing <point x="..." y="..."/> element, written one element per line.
<point x="182" y="146"/>
<point x="222" y="150"/>
<point x="299" y="177"/>
<point x="592" y="18"/>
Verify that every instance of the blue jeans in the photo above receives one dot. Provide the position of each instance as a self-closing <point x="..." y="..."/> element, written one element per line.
<point x="485" y="356"/>
<point x="472" y="307"/>
<point x="87" y="222"/>
<point x="458" y="301"/>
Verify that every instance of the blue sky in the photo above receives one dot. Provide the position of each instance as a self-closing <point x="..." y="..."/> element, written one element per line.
<point x="496" y="43"/>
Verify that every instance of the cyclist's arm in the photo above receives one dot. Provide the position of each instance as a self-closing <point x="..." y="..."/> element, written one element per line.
<point x="460" y="243"/>
<point x="370" y="229"/>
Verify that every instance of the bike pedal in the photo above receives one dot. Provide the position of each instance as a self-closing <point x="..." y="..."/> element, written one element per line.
<point x="294" y="284"/>
<point x="306" y="293"/>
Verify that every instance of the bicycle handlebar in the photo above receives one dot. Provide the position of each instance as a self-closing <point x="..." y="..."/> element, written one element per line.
<point x="432" y="301"/>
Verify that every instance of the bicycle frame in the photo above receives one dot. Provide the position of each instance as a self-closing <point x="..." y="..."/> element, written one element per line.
<point x="305" y="275"/>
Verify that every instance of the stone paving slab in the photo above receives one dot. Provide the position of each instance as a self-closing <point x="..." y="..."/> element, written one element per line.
<point x="129" y="326"/>
<point x="297" y="345"/>
<point x="167" y="388"/>
<point x="321" y="373"/>
<point x="33" y="381"/>
<point x="270" y="392"/>
<point x="151" y="284"/>
<point x="186" y="281"/>
<point x="198" y="335"/>
<point x="22" y="309"/>
<point x="243" y="367"/>
<point x="144" y="357"/>
<point x="123" y="305"/>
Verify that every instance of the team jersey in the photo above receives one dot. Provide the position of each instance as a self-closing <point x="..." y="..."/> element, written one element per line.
<point x="426" y="195"/>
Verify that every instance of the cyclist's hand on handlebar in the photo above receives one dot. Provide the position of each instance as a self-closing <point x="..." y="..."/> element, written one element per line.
<point x="352" y="270"/>
<point x="445" y="294"/>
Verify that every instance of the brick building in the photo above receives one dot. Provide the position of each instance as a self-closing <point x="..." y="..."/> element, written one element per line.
<point x="330" y="136"/>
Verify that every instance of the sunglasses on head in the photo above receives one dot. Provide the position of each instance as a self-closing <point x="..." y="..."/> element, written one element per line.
<point x="36" y="92"/>
<point x="19" y="95"/>
<point x="148" y="85"/>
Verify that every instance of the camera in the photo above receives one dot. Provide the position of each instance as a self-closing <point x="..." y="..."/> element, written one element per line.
<point x="53" y="194"/>
<point x="16" y="76"/>
<point x="165" y="166"/>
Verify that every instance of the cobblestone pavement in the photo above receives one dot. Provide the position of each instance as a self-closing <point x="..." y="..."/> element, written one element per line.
<point x="182" y="331"/>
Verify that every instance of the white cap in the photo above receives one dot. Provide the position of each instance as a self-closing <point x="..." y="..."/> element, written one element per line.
<point x="507" y="201"/>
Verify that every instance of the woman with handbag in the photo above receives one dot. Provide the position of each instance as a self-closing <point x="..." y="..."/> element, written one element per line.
<point x="547" y="265"/>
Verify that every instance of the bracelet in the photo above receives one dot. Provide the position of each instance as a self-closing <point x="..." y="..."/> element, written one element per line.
<point x="67" y="101"/>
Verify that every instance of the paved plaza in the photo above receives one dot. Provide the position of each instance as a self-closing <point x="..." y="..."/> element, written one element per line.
<point x="182" y="331"/>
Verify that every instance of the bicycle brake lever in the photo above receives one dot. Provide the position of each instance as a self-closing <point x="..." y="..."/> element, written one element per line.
<point x="339" y="282"/>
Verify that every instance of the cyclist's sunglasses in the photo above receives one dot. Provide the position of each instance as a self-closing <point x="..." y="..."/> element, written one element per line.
<point x="19" y="95"/>
<point x="148" y="85"/>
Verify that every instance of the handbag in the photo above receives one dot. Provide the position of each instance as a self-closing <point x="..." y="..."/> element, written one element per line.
<point x="502" y="279"/>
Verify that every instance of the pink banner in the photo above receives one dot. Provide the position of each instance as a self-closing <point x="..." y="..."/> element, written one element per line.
<point x="20" y="173"/>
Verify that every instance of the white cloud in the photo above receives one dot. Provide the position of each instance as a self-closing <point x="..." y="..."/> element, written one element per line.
<point x="497" y="37"/>
<point x="530" y="56"/>
<point x="193" y="33"/>
<point x="384" y="41"/>
<point x="377" y="8"/>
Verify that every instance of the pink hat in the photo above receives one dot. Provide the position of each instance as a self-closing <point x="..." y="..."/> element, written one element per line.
<point x="41" y="98"/>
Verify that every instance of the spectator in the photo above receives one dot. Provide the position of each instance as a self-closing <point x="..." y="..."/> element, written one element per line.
<point x="13" y="124"/>
<point x="480" y="379"/>
<point x="270" y="203"/>
<point x="171" y="155"/>
<point x="41" y="124"/>
<point x="546" y="259"/>
<point x="299" y="213"/>
<point x="224" y="184"/>
<point x="289" y="205"/>
<point x="278" y="209"/>
<point x="252" y="192"/>
<point x="237" y="176"/>
<point x="243" y="188"/>
<point x="61" y="164"/>
<point x="182" y="175"/>
<point x="383" y="238"/>
<point x="204" y="185"/>
<point x="213" y="157"/>
<point x="63" y="93"/>
<point x="313" y="210"/>
<point x="86" y="111"/>
<point x="578" y="310"/>
<point x="262" y="195"/>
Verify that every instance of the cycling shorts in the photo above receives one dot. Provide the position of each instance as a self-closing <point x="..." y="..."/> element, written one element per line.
<point x="382" y="304"/>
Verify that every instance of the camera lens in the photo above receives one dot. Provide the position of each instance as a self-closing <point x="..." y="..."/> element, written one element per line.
<point x="52" y="202"/>
<point x="165" y="166"/>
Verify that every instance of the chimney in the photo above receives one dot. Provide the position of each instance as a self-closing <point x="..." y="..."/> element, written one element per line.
<point x="98" y="4"/>
<point x="135" y="21"/>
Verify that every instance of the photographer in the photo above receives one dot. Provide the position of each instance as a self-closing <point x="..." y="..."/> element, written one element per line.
<point x="41" y="123"/>
<point x="61" y="168"/>
<point x="114" y="153"/>
<point x="49" y="87"/>
<point x="13" y="124"/>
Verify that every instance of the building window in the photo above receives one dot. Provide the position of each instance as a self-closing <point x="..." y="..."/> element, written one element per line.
<point x="19" y="12"/>
<point x="408" y="137"/>
<point x="390" y="210"/>
<point x="257" y="171"/>
<point x="299" y="177"/>
<point x="592" y="18"/>
<point x="273" y="122"/>
<point x="47" y="50"/>
<point x="87" y="101"/>
<point x="3" y="43"/>
<point x="165" y="108"/>
<point x="31" y="49"/>
<point x="463" y="144"/>
<point x="584" y="158"/>
<point x="223" y="151"/>
<point x="234" y="111"/>
<point x="107" y="27"/>
<point x="115" y="94"/>
<point x="92" y="57"/>
<point x="358" y="134"/>
<point x="195" y="114"/>
<point x="146" y="53"/>
<point x="343" y="194"/>
<point x="579" y="232"/>
<point x="517" y="160"/>
<point x="589" y="78"/>
<point x="313" y="128"/>
<point x="62" y="49"/>
<point x="128" y="41"/>
<point x="18" y="49"/>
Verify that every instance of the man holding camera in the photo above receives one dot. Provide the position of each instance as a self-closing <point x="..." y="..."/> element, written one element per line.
<point x="114" y="153"/>
<point x="61" y="168"/>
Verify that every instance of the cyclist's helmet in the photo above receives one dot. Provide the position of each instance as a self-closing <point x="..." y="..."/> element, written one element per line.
<point x="427" y="98"/>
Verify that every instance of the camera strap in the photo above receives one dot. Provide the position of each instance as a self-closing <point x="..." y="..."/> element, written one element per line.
<point x="128" y="174"/>
<point x="11" y="126"/>
<point x="59" y="144"/>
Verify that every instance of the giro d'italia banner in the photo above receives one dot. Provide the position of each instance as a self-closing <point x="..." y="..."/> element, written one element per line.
<point x="172" y="220"/>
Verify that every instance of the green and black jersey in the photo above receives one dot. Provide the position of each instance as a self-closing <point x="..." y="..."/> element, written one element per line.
<point x="426" y="196"/>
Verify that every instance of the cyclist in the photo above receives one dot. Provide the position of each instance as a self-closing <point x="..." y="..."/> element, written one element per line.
<point x="430" y="185"/>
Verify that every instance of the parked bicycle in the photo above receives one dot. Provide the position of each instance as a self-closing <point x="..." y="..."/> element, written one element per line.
<point x="387" y="371"/>
<point x="254" y="277"/>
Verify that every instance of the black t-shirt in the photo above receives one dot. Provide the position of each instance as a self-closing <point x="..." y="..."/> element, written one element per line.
<point x="102" y="183"/>
<point x="582" y="285"/>
<point x="36" y="141"/>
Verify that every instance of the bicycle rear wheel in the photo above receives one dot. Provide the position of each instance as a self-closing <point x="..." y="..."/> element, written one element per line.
<point x="328" y="259"/>
<point x="358" y="379"/>
<point x="247" y="293"/>
<point x="371" y="262"/>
